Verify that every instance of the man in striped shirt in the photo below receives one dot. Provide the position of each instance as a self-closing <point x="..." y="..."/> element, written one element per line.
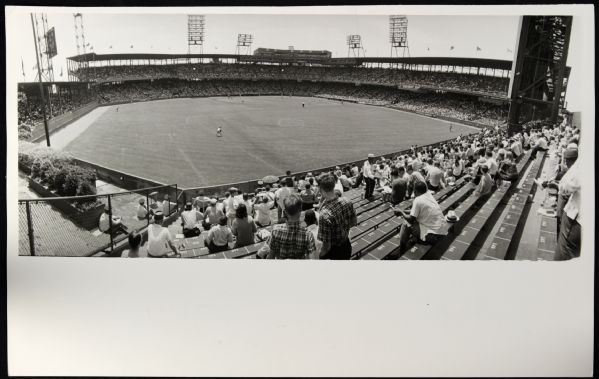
<point x="337" y="216"/>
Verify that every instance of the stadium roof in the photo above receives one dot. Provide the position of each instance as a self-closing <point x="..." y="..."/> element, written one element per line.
<point x="443" y="61"/>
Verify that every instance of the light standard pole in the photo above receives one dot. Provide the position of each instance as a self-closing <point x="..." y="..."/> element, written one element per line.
<point x="39" y="76"/>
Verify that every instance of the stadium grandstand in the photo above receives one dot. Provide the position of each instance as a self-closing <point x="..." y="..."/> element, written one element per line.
<point x="476" y="195"/>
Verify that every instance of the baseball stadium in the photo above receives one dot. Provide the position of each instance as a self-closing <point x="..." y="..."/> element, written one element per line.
<point x="285" y="153"/>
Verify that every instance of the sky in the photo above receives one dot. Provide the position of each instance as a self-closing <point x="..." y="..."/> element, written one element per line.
<point x="428" y="35"/>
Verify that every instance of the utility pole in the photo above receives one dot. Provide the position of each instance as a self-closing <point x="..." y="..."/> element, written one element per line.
<point x="39" y="76"/>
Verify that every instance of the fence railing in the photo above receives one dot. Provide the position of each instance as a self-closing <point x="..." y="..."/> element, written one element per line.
<point x="70" y="226"/>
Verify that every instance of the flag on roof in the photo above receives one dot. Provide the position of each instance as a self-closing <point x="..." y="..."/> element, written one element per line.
<point x="451" y="48"/>
<point x="478" y="48"/>
<point x="22" y="66"/>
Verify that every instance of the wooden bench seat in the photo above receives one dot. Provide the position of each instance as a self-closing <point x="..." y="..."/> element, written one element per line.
<point x="504" y="240"/>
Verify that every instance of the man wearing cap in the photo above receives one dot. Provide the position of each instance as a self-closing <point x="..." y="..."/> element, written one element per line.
<point x="191" y="220"/>
<point x="159" y="239"/>
<point x="368" y="171"/>
<point x="117" y="223"/>
<point x="212" y="215"/>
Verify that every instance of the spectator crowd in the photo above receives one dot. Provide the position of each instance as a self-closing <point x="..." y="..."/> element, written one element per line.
<point x="308" y="217"/>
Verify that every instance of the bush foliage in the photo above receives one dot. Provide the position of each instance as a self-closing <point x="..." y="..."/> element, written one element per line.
<point x="57" y="170"/>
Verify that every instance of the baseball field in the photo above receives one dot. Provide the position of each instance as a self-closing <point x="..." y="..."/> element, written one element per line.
<point x="174" y="141"/>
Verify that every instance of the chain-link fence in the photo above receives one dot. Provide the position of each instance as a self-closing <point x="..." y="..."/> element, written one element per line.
<point x="86" y="225"/>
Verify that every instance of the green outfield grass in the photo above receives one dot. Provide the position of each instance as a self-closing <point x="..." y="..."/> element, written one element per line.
<point x="174" y="141"/>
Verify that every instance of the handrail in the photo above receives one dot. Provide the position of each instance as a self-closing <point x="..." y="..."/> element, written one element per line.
<point x="96" y="195"/>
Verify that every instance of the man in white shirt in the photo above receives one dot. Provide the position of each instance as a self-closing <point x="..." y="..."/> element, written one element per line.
<point x="230" y="205"/>
<point x="312" y="226"/>
<point x="192" y="220"/>
<point x="539" y="145"/>
<point x="434" y="176"/>
<point x="427" y="221"/>
<point x="568" y="240"/>
<point x="117" y="223"/>
<point x="516" y="147"/>
<point x="142" y="210"/>
<point x="368" y="171"/>
<point x="159" y="239"/>
<point x="280" y="195"/>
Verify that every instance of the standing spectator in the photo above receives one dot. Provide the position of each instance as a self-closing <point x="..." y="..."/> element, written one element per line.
<point x="337" y="216"/>
<point x="212" y="215"/>
<point x="159" y="238"/>
<point x="368" y="171"/>
<point x="492" y="164"/>
<point x="230" y="204"/>
<point x="243" y="227"/>
<point x="426" y="220"/>
<point x="312" y="226"/>
<point x="289" y="240"/>
<point x="308" y="197"/>
<point x="191" y="219"/>
<point x="280" y="196"/>
<point x="568" y="241"/>
<point x="219" y="236"/>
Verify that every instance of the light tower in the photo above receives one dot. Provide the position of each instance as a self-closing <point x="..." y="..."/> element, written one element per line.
<point x="354" y="45"/>
<point x="398" y="36"/>
<point x="244" y="44"/>
<point x="82" y="66"/>
<point x="195" y="33"/>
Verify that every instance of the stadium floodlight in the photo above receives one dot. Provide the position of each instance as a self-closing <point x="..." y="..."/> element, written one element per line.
<point x="244" y="44"/>
<point x="195" y="32"/>
<point x="398" y="35"/>
<point x="354" y="45"/>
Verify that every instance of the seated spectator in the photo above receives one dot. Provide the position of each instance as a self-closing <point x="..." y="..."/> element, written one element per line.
<point x="485" y="185"/>
<point x="159" y="239"/>
<point x="117" y="223"/>
<point x="212" y="215"/>
<point x="262" y="207"/>
<point x="167" y="206"/>
<point x="312" y="226"/>
<point x="289" y="240"/>
<point x="142" y="210"/>
<point x="540" y="145"/>
<point x="192" y="221"/>
<point x="243" y="227"/>
<point x="508" y="170"/>
<point x="435" y="177"/>
<point x="219" y="236"/>
<point x="399" y="186"/>
<point x="134" y="240"/>
<point x="426" y="220"/>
